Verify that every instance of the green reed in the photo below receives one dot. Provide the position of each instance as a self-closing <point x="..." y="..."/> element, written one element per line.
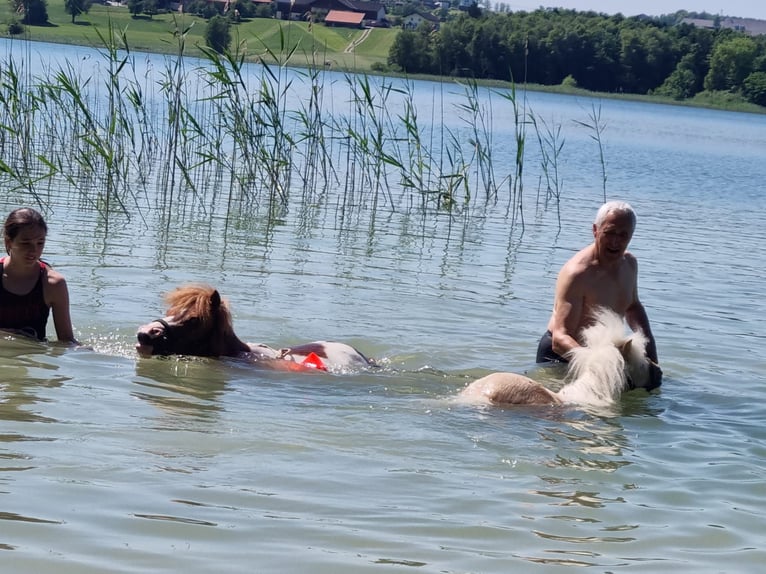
<point x="368" y="138"/>
<point x="275" y="149"/>
<point x="478" y="118"/>
<point x="415" y="163"/>
<point x="18" y="106"/>
<point x="597" y="127"/>
<point x="235" y="133"/>
<point x="179" y="122"/>
<point x="551" y="144"/>
<point x="516" y="182"/>
<point x="313" y="138"/>
<point x="455" y="178"/>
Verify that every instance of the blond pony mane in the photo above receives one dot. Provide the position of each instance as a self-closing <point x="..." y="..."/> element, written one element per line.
<point x="597" y="371"/>
<point x="195" y="301"/>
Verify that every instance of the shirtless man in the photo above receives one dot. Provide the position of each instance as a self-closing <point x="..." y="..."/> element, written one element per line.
<point x="603" y="274"/>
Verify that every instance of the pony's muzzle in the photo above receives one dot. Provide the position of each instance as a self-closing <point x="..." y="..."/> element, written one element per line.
<point x="655" y="376"/>
<point x="153" y="338"/>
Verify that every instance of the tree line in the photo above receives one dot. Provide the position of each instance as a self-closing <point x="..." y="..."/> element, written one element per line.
<point x="597" y="52"/>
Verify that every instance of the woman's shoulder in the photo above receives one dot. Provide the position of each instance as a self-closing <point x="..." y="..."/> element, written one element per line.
<point x="53" y="277"/>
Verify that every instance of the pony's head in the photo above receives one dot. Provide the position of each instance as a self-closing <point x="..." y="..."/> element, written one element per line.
<point x="198" y="322"/>
<point x="640" y="370"/>
<point x="611" y="362"/>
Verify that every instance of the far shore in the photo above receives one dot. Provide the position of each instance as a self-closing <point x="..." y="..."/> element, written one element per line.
<point x="319" y="46"/>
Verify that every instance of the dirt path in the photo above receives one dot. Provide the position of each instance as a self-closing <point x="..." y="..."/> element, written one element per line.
<point x="352" y="46"/>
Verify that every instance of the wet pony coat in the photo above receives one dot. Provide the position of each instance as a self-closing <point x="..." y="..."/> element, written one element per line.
<point x="198" y="323"/>
<point x="608" y="364"/>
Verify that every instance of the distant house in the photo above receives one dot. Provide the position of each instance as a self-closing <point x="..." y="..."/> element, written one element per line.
<point x="343" y="18"/>
<point x="374" y="13"/>
<point x="413" y="21"/>
<point x="699" y="23"/>
<point x="293" y="9"/>
<point x="749" y="26"/>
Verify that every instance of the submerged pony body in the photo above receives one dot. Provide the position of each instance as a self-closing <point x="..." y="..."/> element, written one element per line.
<point x="198" y="323"/>
<point x="608" y="364"/>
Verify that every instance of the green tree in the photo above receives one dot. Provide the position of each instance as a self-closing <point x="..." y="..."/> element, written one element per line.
<point x="202" y="8"/>
<point x="730" y="63"/>
<point x="491" y="57"/>
<point x="135" y="7"/>
<point x="15" y="28"/>
<point x="264" y="11"/>
<point x="410" y="51"/>
<point x="474" y="11"/>
<point x="150" y="8"/>
<point x="247" y="8"/>
<point x="599" y="52"/>
<point x="682" y="83"/>
<point x="754" y="88"/>
<point x="452" y="46"/>
<point x="647" y="58"/>
<point x="218" y="33"/>
<point x="77" y="7"/>
<point x="35" y="11"/>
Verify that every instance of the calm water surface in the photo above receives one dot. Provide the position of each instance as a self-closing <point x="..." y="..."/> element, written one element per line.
<point x="110" y="463"/>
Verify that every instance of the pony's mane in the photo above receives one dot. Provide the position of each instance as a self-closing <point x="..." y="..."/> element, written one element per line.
<point x="195" y="301"/>
<point x="598" y="368"/>
<point x="607" y="329"/>
<point x="600" y="364"/>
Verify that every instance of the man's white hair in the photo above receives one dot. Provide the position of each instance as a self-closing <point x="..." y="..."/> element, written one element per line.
<point x="621" y="207"/>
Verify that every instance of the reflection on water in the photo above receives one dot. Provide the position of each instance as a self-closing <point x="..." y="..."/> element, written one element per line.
<point x="111" y="463"/>
<point x="26" y="366"/>
<point x="184" y="389"/>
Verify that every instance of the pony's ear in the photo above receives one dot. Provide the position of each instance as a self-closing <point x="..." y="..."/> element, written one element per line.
<point x="215" y="300"/>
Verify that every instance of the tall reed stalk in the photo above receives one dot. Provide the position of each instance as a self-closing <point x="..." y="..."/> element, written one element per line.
<point x="312" y="139"/>
<point x="516" y="182"/>
<point x="597" y="127"/>
<point x="226" y="127"/>
<point x="551" y="144"/>
<point x="478" y="117"/>
<point x="18" y="106"/>
<point x="416" y="164"/>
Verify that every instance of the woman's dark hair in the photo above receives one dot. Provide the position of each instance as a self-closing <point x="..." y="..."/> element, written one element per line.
<point x="22" y="217"/>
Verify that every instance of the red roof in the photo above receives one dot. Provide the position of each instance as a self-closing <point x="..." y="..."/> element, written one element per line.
<point x="343" y="17"/>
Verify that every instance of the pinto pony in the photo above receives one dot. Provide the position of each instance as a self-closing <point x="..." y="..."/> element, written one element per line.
<point x="198" y="323"/>
<point x="608" y="364"/>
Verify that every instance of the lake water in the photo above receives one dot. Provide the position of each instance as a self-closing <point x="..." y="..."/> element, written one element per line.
<point x="110" y="463"/>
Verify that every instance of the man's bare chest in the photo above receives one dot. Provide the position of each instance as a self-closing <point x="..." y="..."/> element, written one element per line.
<point x="608" y="289"/>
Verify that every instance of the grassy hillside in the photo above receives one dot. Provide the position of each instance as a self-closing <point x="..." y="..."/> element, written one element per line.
<point x="309" y="43"/>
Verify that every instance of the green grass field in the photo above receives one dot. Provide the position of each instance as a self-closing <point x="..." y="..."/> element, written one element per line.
<point x="309" y="44"/>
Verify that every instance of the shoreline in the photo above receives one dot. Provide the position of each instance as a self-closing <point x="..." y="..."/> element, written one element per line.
<point x="156" y="36"/>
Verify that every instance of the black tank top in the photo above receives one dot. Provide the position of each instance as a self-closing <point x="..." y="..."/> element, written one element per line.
<point x="27" y="314"/>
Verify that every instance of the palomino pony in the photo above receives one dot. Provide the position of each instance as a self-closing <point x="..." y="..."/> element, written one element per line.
<point x="608" y="364"/>
<point x="198" y="323"/>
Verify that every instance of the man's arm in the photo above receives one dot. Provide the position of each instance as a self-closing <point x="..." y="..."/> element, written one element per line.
<point x="635" y="314"/>
<point x="637" y="318"/>
<point x="567" y="311"/>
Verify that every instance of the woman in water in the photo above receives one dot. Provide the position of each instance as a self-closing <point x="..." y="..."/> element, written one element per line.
<point x="29" y="288"/>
